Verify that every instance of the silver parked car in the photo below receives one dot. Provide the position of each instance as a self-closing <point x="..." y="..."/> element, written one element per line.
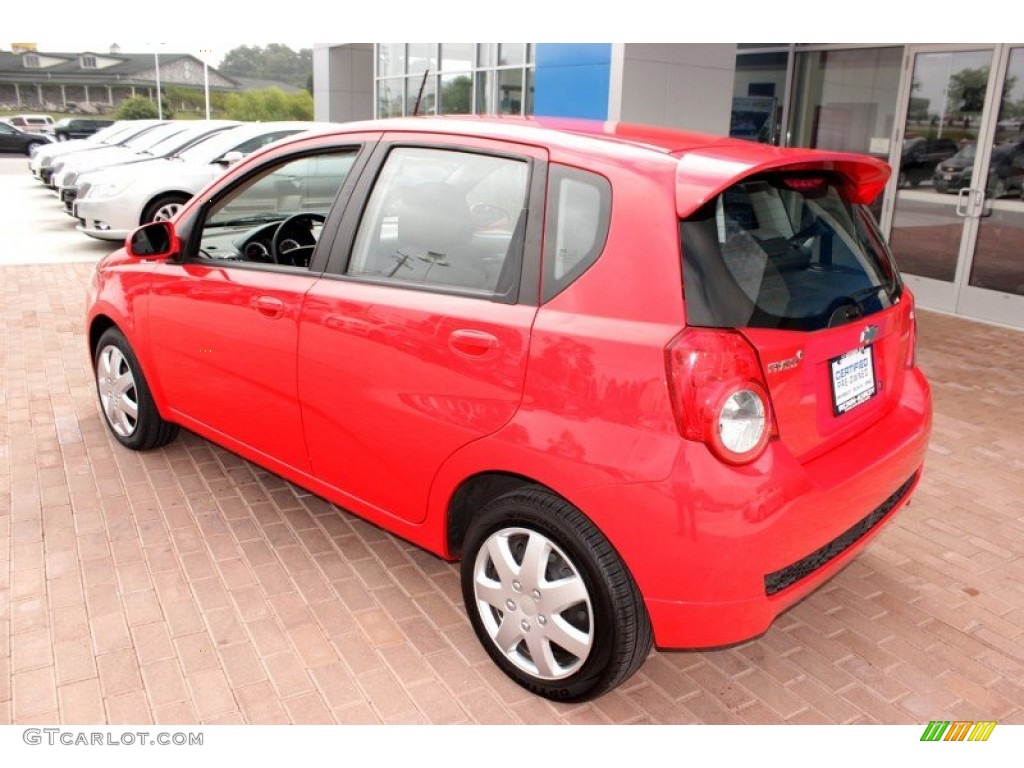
<point x="113" y="202"/>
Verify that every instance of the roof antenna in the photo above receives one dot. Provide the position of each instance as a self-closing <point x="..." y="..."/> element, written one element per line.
<point x="419" y="96"/>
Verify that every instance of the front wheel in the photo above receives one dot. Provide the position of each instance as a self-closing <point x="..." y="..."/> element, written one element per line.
<point x="125" y="399"/>
<point x="163" y="208"/>
<point x="550" y="600"/>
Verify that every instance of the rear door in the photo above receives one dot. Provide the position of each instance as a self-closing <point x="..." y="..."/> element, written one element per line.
<point x="417" y="343"/>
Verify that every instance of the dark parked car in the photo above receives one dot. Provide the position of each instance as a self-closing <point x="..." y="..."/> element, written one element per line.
<point x="1005" y="173"/>
<point x="16" y="140"/>
<point x="920" y="156"/>
<point x="78" y="127"/>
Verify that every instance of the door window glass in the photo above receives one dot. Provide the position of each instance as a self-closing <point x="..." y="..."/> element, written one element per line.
<point x="276" y="216"/>
<point x="444" y="218"/>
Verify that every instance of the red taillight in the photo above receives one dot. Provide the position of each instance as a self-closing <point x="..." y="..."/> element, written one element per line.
<point x="719" y="395"/>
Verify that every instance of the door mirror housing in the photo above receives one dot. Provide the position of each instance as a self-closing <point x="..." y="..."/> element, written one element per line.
<point x="229" y="158"/>
<point x="156" y="240"/>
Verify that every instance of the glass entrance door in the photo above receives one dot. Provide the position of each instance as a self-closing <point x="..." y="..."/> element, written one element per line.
<point x="994" y="287"/>
<point x="956" y="222"/>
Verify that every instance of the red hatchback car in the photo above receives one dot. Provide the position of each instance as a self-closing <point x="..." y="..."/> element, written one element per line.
<point x="651" y="387"/>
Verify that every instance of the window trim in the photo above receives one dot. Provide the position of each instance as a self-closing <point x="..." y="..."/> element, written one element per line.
<point x="525" y="285"/>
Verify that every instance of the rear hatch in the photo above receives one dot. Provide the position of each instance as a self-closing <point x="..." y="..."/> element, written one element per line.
<point x="792" y="259"/>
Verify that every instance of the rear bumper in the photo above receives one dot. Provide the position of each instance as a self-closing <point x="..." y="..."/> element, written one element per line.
<point x="719" y="552"/>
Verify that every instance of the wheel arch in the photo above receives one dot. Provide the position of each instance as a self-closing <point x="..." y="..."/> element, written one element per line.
<point x="155" y="198"/>
<point x="97" y="327"/>
<point x="472" y="495"/>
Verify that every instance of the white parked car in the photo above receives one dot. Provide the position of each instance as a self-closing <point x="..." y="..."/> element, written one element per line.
<point x="45" y="159"/>
<point x="176" y="137"/>
<point x="135" y="148"/>
<point x="113" y="202"/>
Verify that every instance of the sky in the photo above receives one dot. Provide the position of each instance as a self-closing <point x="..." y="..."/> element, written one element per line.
<point x="192" y="26"/>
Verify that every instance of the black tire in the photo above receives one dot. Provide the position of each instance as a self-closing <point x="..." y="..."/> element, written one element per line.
<point x="28" y="147"/>
<point x="125" y="400"/>
<point x="584" y="594"/>
<point x="161" y="206"/>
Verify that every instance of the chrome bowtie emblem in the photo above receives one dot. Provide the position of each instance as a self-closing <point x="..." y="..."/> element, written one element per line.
<point x="869" y="334"/>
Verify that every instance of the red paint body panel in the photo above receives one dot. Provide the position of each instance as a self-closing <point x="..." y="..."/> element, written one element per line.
<point x="386" y="400"/>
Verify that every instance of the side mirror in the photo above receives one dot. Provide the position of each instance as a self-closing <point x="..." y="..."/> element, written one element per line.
<point x="229" y="158"/>
<point x="156" y="240"/>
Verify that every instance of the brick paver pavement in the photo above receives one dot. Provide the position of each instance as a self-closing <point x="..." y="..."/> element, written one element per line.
<point x="188" y="586"/>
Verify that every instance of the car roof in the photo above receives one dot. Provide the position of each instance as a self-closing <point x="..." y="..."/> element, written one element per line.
<point x="705" y="164"/>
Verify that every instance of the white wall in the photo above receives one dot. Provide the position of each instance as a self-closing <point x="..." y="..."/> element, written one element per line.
<point x="342" y="82"/>
<point x="677" y="85"/>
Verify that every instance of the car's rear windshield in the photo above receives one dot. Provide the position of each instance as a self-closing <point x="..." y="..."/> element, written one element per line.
<point x="785" y="251"/>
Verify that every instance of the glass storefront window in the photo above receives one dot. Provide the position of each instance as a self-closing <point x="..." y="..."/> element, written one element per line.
<point x="390" y="95"/>
<point x="469" y="79"/>
<point x="456" y="94"/>
<point x="510" y="91"/>
<point x="845" y="100"/>
<point x="758" y="90"/>
<point x="511" y="54"/>
<point x="486" y="54"/>
<point x="425" y="92"/>
<point x="997" y="262"/>
<point x="422" y="57"/>
<point x="484" y="97"/>
<point x="390" y="59"/>
<point x="456" y="57"/>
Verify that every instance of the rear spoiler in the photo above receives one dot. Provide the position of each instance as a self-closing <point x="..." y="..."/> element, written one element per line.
<point x="704" y="173"/>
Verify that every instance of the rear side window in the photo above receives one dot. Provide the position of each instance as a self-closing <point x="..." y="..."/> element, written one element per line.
<point x="784" y="251"/>
<point x="579" y="210"/>
<point x="445" y="219"/>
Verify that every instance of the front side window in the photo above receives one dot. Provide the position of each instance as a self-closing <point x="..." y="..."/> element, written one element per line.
<point x="785" y="251"/>
<point x="444" y="218"/>
<point x="276" y="216"/>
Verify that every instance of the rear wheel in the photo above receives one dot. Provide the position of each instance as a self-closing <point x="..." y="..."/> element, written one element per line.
<point x="125" y="399"/>
<point x="550" y="600"/>
<point x="163" y="208"/>
<point x="31" y="145"/>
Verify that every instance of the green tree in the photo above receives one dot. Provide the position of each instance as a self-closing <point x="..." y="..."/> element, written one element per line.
<point x="967" y="90"/>
<point x="141" y="108"/>
<point x="273" y="62"/>
<point x="457" y="95"/>
<point x="269" y="104"/>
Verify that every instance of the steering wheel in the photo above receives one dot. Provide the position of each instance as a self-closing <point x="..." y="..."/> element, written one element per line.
<point x="292" y="246"/>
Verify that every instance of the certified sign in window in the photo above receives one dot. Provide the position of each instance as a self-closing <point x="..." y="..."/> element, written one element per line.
<point x="853" y="379"/>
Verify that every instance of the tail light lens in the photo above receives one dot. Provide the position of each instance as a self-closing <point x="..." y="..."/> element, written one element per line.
<point x="719" y="395"/>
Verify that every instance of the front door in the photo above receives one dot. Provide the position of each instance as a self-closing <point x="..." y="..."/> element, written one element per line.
<point x="957" y="218"/>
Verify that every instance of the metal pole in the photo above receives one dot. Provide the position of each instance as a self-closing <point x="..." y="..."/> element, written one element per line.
<point x="159" y="101"/>
<point x="206" y="83"/>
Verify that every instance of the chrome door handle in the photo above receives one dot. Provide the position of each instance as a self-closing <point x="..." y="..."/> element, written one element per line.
<point x="963" y="198"/>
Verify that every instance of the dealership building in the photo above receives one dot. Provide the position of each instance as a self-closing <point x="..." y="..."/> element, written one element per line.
<point x="948" y="118"/>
